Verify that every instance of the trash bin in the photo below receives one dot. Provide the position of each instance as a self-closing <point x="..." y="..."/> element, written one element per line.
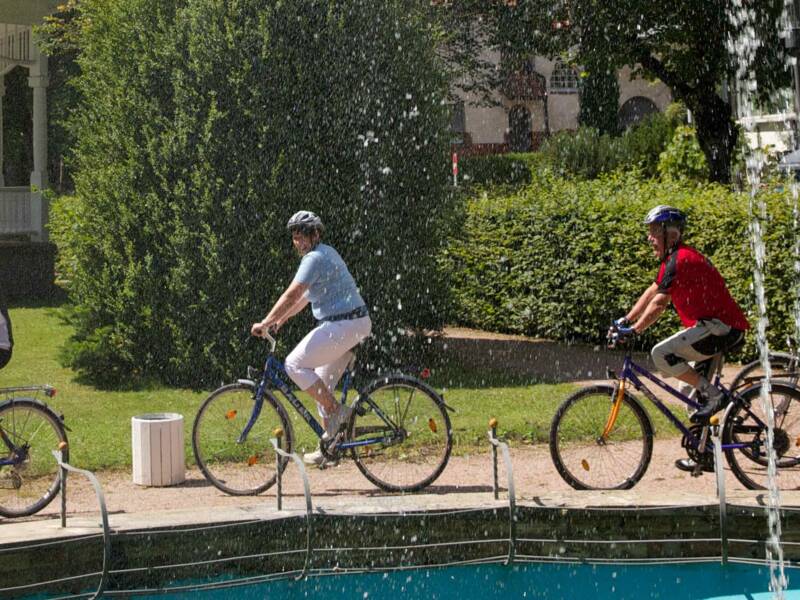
<point x="157" y="443"/>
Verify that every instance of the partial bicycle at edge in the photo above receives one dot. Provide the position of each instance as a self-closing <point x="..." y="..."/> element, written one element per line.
<point x="30" y="431"/>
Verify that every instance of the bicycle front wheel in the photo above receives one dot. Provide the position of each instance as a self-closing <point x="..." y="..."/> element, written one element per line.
<point x="406" y="434"/>
<point x="747" y="424"/>
<point x="588" y="460"/>
<point x="31" y="431"/>
<point x="237" y="463"/>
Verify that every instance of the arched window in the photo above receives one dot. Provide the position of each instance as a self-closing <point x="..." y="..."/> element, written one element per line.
<point x="519" y="129"/>
<point x="634" y="110"/>
<point x="564" y="78"/>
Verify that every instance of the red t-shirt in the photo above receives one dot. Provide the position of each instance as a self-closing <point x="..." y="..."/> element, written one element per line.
<point x="697" y="289"/>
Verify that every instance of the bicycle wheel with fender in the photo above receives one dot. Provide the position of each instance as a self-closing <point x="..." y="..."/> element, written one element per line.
<point x="406" y="434"/>
<point x="237" y="464"/>
<point x="29" y="433"/>
<point x="746" y="424"/>
<point x="594" y="450"/>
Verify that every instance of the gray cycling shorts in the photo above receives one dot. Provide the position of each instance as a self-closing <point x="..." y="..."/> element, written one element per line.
<point x="701" y="342"/>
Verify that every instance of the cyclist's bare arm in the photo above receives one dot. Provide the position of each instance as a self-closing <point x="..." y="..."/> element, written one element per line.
<point x="298" y="306"/>
<point x="642" y="303"/>
<point x="282" y="310"/>
<point x="658" y="303"/>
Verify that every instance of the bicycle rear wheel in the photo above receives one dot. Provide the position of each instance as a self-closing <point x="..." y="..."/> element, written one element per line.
<point x="784" y="367"/>
<point x="410" y="433"/>
<point x="746" y="424"/>
<point x="583" y="457"/>
<point x="235" y="466"/>
<point x="32" y="431"/>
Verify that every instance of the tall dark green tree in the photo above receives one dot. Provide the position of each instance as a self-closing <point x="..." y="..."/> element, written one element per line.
<point x="690" y="45"/>
<point x="600" y="99"/>
<point x="203" y="127"/>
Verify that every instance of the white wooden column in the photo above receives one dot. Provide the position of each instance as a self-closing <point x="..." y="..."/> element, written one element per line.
<point x="38" y="80"/>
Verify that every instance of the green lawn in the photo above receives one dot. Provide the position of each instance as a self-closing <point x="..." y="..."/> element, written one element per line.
<point x="100" y="421"/>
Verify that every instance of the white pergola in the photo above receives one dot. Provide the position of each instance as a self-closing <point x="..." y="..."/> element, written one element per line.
<point x="24" y="210"/>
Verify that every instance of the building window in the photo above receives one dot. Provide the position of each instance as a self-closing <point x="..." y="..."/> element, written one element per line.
<point x="634" y="110"/>
<point x="564" y="78"/>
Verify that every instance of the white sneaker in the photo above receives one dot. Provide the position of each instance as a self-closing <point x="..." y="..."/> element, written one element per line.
<point x="338" y="420"/>
<point x="314" y="458"/>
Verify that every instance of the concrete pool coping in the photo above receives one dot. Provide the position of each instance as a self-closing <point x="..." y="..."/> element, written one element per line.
<point x="263" y="507"/>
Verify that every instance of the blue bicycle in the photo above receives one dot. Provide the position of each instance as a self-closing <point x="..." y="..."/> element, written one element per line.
<point x="601" y="437"/>
<point x="399" y="433"/>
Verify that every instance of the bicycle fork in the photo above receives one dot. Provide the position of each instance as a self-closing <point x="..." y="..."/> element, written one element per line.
<point x="619" y="394"/>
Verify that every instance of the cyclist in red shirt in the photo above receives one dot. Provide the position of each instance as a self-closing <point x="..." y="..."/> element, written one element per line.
<point x="713" y="321"/>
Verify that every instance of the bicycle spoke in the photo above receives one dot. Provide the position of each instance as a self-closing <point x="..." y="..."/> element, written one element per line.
<point x="33" y="481"/>
<point x="588" y="460"/>
<point x="246" y="467"/>
<point x="413" y="452"/>
<point x="746" y="425"/>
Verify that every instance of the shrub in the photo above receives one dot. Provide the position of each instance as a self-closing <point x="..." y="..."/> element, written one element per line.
<point x="560" y="259"/>
<point x="642" y="145"/>
<point x="494" y="169"/>
<point x="587" y="154"/>
<point x="584" y="153"/>
<point x="203" y="126"/>
<point x="683" y="158"/>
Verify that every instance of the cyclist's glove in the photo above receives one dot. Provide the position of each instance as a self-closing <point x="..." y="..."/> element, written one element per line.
<point x="618" y="333"/>
<point x="622" y="322"/>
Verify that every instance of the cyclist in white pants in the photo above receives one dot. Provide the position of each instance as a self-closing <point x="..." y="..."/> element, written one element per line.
<point x="319" y="360"/>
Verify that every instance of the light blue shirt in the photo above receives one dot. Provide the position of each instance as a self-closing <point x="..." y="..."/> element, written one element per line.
<point x="331" y="288"/>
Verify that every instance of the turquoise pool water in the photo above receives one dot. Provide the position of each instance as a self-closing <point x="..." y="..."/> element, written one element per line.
<point x="531" y="580"/>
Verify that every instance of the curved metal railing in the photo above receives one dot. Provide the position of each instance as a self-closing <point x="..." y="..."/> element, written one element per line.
<point x="276" y="444"/>
<point x="103" y="514"/>
<point x="512" y="502"/>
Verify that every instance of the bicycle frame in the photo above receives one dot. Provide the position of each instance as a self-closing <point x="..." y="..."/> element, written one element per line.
<point x="631" y="372"/>
<point x="273" y="378"/>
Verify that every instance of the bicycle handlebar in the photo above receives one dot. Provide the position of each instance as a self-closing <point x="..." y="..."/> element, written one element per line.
<point x="270" y="339"/>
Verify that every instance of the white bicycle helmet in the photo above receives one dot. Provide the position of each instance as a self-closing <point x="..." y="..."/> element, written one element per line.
<point x="304" y="220"/>
<point x="666" y="215"/>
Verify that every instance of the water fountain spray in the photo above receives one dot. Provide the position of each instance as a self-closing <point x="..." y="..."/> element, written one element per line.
<point x="744" y="48"/>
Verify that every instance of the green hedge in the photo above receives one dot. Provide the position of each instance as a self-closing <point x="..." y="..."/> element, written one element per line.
<point x="560" y="259"/>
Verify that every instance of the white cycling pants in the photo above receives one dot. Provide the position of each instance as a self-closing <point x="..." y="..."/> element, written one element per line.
<point x="325" y="351"/>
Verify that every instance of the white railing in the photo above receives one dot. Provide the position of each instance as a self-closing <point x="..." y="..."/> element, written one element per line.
<point x="15" y="45"/>
<point x="15" y="210"/>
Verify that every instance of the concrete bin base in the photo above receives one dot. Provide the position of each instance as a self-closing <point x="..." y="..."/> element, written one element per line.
<point x="157" y="445"/>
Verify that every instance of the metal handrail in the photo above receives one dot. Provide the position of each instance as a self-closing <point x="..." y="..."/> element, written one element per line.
<point x="276" y="444"/>
<point x="512" y="502"/>
<point x="103" y="513"/>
